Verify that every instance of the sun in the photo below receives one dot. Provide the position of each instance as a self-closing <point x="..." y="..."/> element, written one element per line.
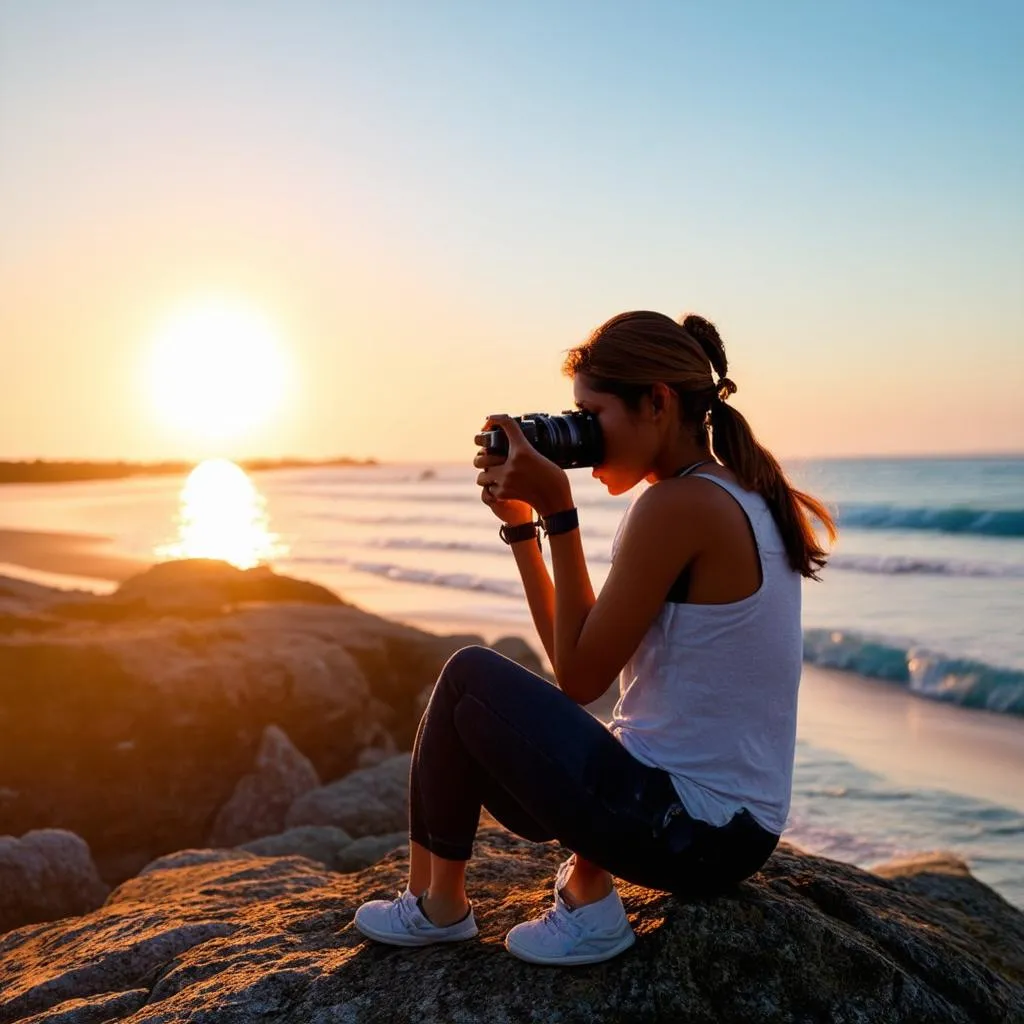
<point x="217" y="370"/>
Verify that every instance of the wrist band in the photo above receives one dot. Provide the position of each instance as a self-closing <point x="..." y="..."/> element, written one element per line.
<point x="524" y="531"/>
<point x="560" y="522"/>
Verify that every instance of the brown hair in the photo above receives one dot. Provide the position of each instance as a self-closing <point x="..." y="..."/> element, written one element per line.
<point x="633" y="351"/>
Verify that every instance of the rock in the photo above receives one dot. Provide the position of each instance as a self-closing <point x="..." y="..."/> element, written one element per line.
<point x="518" y="650"/>
<point x="190" y="858"/>
<point x="332" y="847"/>
<point x="45" y="875"/>
<point x="374" y="755"/>
<point x="234" y="942"/>
<point x="134" y="733"/>
<point x="261" y="799"/>
<point x="368" y="802"/>
<point x="322" y="843"/>
<point x="22" y="597"/>
<point x="191" y="583"/>
<point x="366" y="851"/>
<point x="98" y="1010"/>
<point x="945" y="878"/>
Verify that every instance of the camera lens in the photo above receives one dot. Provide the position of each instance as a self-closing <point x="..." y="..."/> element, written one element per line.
<point x="571" y="440"/>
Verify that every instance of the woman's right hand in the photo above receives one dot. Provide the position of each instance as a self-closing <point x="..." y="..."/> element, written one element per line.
<point x="512" y="512"/>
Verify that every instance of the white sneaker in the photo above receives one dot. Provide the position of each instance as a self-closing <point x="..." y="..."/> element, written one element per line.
<point x="587" y="935"/>
<point x="401" y="922"/>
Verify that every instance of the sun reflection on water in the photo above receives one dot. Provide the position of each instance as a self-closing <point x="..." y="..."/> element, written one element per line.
<point x="222" y="515"/>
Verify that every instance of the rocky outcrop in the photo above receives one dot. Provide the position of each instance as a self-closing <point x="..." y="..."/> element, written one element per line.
<point x="368" y="802"/>
<point x="361" y="853"/>
<point x="261" y="799"/>
<point x="194" y="587"/>
<point x="322" y="843"/>
<point x="131" y="724"/>
<point x="229" y="937"/>
<point x="518" y="650"/>
<point x="45" y="875"/>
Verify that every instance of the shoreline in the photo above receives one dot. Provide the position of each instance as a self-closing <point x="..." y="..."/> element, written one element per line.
<point x="41" y="471"/>
<point x="82" y="556"/>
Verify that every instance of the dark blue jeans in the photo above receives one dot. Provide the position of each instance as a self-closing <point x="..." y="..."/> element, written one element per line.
<point x="496" y="735"/>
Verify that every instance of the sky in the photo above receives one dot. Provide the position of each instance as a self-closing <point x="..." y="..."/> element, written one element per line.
<point x="359" y="228"/>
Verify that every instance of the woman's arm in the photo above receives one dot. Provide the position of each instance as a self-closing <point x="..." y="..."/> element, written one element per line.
<point x="574" y="599"/>
<point x="559" y="612"/>
<point x="540" y="592"/>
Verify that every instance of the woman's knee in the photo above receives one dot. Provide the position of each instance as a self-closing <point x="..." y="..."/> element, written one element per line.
<point x="468" y="664"/>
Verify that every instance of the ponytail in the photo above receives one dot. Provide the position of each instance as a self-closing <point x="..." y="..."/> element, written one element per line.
<point x="758" y="470"/>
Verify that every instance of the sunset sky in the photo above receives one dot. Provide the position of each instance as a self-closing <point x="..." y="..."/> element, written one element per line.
<point x="358" y="228"/>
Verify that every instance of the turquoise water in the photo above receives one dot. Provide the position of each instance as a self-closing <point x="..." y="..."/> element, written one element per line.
<point x="925" y="590"/>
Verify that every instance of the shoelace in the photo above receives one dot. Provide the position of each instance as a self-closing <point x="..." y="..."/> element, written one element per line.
<point x="559" y="921"/>
<point x="404" y="907"/>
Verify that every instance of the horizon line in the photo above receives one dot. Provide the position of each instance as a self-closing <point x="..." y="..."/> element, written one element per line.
<point x="380" y="461"/>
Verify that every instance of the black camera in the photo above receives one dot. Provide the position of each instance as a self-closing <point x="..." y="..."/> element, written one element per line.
<point x="570" y="440"/>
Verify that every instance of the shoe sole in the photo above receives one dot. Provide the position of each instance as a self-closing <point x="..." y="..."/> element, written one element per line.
<point x="571" y="961"/>
<point x="391" y="939"/>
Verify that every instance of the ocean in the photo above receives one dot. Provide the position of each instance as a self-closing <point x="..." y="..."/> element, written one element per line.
<point x="924" y="592"/>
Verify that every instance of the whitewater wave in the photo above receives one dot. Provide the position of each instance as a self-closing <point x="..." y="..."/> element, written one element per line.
<point x="900" y="565"/>
<point x="986" y="522"/>
<point x="465" y="522"/>
<point x="455" y="580"/>
<point x="405" y="574"/>
<point x="962" y="681"/>
<point x="894" y="565"/>
<point x="488" y="547"/>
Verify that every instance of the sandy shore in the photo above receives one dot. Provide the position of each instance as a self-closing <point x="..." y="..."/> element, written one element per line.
<point x="879" y="726"/>
<point x="80" y="555"/>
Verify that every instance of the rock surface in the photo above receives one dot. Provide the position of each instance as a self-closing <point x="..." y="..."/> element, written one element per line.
<point x="132" y="717"/>
<point x="361" y="853"/>
<point x="228" y="937"/>
<point x="322" y="843"/>
<point x="518" y="650"/>
<point x="45" y="875"/>
<point x="193" y="586"/>
<point x="369" y="802"/>
<point x="261" y="799"/>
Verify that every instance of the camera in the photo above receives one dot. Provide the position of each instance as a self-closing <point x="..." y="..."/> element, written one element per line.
<point x="571" y="439"/>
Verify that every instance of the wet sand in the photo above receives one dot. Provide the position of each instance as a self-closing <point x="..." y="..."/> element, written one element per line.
<point x="80" y="555"/>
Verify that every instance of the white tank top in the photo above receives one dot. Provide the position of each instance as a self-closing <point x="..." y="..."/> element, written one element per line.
<point x="710" y="694"/>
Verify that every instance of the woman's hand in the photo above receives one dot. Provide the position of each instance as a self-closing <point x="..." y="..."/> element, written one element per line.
<point x="523" y="480"/>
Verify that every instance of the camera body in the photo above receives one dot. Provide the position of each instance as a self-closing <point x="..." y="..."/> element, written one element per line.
<point x="571" y="439"/>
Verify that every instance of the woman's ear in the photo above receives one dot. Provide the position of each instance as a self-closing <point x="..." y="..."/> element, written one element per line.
<point x="660" y="398"/>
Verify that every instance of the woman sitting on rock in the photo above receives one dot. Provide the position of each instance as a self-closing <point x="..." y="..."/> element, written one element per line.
<point x="688" y="787"/>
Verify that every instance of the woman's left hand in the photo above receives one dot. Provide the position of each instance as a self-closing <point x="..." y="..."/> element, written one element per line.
<point x="525" y="474"/>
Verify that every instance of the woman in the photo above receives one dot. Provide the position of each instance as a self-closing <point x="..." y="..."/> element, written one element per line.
<point x="688" y="787"/>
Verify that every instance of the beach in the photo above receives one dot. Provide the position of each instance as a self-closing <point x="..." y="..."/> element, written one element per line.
<point x="909" y="739"/>
<point x="881" y="771"/>
<point x="211" y="770"/>
<point x="89" y="559"/>
<point x="913" y="741"/>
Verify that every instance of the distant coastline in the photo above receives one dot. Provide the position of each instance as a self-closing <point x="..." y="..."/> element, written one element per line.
<point x="43" y="471"/>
